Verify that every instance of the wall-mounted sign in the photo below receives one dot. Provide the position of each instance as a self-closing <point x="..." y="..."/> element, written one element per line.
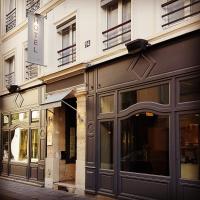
<point x="36" y="39"/>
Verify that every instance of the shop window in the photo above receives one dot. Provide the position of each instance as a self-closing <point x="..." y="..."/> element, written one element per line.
<point x="15" y="118"/>
<point x="5" y="120"/>
<point x="107" y="104"/>
<point x="19" y="145"/>
<point x="34" y="145"/>
<point x="24" y="117"/>
<point x="5" y="145"/>
<point x="118" y="23"/>
<point x="145" y="144"/>
<point x="157" y="94"/>
<point x="106" y="135"/>
<point x="190" y="146"/>
<point x="67" y="30"/>
<point x="189" y="90"/>
<point x="179" y="10"/>
<point x="35" y="116"/>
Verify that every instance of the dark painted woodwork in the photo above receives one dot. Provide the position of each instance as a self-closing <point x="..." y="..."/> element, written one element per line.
<point x="166" y="62"/>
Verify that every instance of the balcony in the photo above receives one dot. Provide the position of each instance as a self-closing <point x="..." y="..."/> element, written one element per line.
<point x="31" y="71"/>
<point x="32" y="6"/>
<point x="10" y="79"/>
<point x="177" y="10"/>
<point x="11" y="20"/>
<point x="67" y="55"/>
<point x="117" y="35"/>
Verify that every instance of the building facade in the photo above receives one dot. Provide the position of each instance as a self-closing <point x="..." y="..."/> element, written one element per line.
<point x="114" y="109"/>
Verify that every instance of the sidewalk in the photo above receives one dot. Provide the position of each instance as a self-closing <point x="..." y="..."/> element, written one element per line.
<point x="10" y="190"/>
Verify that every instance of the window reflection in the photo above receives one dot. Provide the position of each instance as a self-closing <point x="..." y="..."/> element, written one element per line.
<point x="5" y="145"/>
<point x="34" y="145"/>
<point x="23" y="117"/>
<point x="107" y="104"/>
<point x="19" y="145"/>
<point x="190" y="146"/>
<point x="14" y="118"/>
<point x="145" y="144"/>
<point x="158" y="94"/>
<point x="35" y="116"/>
<point x="5" y="120"/>
<point x="189" y="90"/>
<point x="106" y="132"/>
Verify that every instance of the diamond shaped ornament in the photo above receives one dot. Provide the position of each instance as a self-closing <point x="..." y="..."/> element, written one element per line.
<point x="19" y="100"/>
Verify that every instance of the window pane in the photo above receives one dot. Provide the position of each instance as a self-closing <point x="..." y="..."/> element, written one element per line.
<point x="5" y="119"/>
<point x="5" y="145"/>
<point x="106" y="131"/>
<point x="158" y="94"/>
<point x="190" y="146"/>
<point x="34" y="145"/>
<point x="14" y="118"/>
<point x="23" y="117"/>
<point x="145" y="144"/>
<point x="174" y="6"/>
<point x="19" y="145"/>
<point x="189" y="90"/>
<point x="196" y="7"/>
<point x="35" y="116"/>
<point x="107" y="104"/>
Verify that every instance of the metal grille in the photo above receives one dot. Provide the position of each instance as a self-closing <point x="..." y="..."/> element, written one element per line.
<point x="32" y="6"/>
<point x="11" y="20"/>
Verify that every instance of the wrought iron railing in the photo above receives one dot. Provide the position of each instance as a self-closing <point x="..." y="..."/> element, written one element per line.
<point x="11" y="20"/>
<point x="32" y="6"/>
<point x="117" y="35"/>
<point x="10" y="79"/>
<point x="67" y="55"/>
<point x="31" y="71"/>
<point x="193" y="6"/>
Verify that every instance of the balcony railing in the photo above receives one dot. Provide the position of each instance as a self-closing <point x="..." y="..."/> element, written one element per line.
<point x="193" y="7"/>
<point x="32" y="6"/>
<point x="117" y="35"/>
<point x="10" y="79"/>
<point x="31" y="71"/>
<point x="67" y="55"/>
<point x="11" y="20"/>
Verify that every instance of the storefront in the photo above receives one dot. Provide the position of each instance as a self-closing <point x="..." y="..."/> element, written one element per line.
<point x="65" y="105"/>
<point x="23" y="136"/>
<point x="143" y="123"/>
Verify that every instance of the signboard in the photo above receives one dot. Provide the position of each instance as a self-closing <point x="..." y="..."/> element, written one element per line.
<point x="35" y="39"/>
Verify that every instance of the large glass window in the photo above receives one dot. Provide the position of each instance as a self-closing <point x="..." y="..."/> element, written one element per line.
<point x="5" y="119"/>
<point x="158" y="94"/>
<point x="34" y="145"/>
<point x="35" y="116"/>
<point x="5" y="145"/>
<point x="106" y="134"/>
<point x="23" y="117"/>
<point x="189" y="90"/>
<point x="190" y="146"/>
<point x="107" y="104"/>
<point x="19" y="145"/>
<point x="145" y="144"/>
<point x="14" y="118"/>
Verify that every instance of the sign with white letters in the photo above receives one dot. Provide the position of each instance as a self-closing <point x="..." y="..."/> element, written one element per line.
<point x="35" y="39"/>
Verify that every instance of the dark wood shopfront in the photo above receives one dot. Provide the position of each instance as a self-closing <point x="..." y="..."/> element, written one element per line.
<point x="143" y="123"/>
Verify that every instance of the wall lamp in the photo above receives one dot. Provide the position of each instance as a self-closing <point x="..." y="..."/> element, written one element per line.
<point x="137" y="46"/>
<point x="13" y="88"/>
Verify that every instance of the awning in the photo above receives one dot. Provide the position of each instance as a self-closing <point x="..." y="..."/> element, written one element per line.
<point x="55" y="99"/>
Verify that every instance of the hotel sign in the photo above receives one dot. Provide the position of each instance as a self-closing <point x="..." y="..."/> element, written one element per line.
<point x="35" y="39"/>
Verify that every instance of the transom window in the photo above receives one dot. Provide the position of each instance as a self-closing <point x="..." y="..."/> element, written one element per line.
<point x="158" y="94"/>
